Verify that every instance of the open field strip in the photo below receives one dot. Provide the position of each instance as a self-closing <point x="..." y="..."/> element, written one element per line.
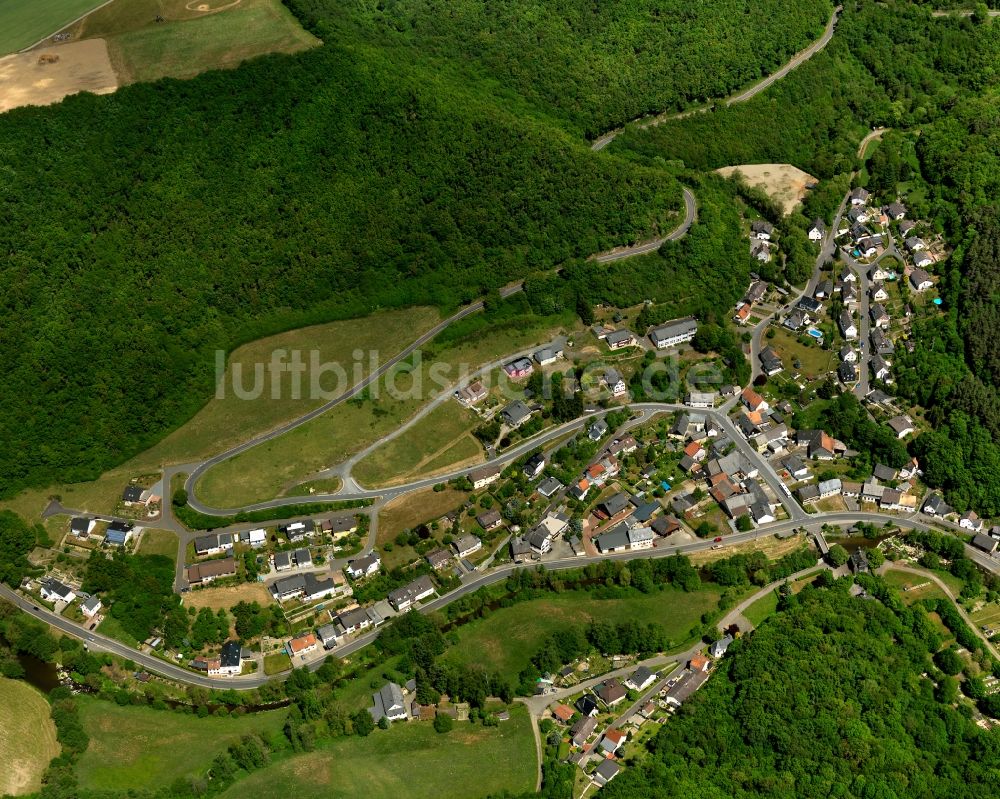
<point x="136" y="748"/>
<point x="410" y="760"/>
<point x="225" y="422"/>
<point x="24" y="22"/>
<point x="506" y="639"/>
<point x="426" y="442"/>
<point x="27" y="737"/>
<point x="260" y="473"/>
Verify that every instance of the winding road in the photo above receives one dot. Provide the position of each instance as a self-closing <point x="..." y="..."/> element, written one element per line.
<point x="619" y="253"/>
<point x="797" y="60"/>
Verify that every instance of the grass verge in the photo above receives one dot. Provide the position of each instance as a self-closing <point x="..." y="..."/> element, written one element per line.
<point x="408" y="760"/>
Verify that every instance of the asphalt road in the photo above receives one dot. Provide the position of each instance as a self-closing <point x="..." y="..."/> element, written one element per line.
<point x="478" y="580"/>
<point x="191" y="482"/>
<point x="690" y="214"/>
<point x="797" y="60"/>
<point x="827" y="250"/>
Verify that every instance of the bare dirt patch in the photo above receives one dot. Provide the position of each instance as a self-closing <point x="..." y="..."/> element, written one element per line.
<point x="785" y="184"/>
<point x="227" y="596"/>
<point x="48" y="74"/>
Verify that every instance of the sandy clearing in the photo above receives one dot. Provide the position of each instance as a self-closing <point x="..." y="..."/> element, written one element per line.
<point x="227" y="596"/>
<point x="33" y="78"/>
<point x="783" y="183"/>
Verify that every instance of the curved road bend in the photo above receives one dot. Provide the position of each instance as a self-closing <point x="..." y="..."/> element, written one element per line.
<point x="797" y="60"/>
<point x="353" y="391"/>
<point x="690" y="215"/>
<point x="619" y="253"/>
<point x="646" y="408"/>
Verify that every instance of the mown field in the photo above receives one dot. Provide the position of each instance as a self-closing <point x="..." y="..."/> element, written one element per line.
<point x="507" y="638"/>
<point x="216" y="41"/>
<point x="24" y="22"/>
<point x="139" y="748"/>
<point x="27" y="737"/>
<point x="159" y="542"/>
<point x="264" y="471"/>
<point x="441" y="439"/>
<point x="408" y="760"/>
<point x="228" y="417"/>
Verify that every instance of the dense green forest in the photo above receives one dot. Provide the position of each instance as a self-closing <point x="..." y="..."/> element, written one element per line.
<point x="145" y="229"/>
<point x="835" y="696"/>
<point x="887" y="65"/>
<point x="595" y="65"/>
<point x="417" y="157"/>
<point x="934" y="80"/>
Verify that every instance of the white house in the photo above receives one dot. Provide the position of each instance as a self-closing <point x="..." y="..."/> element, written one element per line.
<point x="920" y="260"/>
<point x="364" y="566"/>
<point x="466" y="545"/>
<point x="82" y="526"/>
<point x="816" y="230"/>
<point x="701" y="399"/>
<point x="971" y="521"/>
<point x="762" y="230"/>
<point x="54" y="591"/>
<point x="859" y="196"/>
<point x="673" y="333"/>
<point x="920" y="280"/>
<point x="484" y="476"/>
<point x="615" y="383"/>
<point x="848" y="329"/>
<point x="91" y="606"/>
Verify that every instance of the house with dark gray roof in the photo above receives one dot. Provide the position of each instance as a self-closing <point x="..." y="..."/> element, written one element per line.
<point x="673" y="333"/>
<point x="515" y="414"/>
<point x="388" y="703"/>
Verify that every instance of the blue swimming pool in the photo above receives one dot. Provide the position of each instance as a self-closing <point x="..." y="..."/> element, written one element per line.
<point x="812" y="331"/>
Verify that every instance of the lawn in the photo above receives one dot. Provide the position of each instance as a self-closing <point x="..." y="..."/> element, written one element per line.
<point x="761" y="609"/>
<point x="906" y="584"/>
<point x="415" y="508"/>
<point x="431" y="440"/>
<point x="264" y="471"/>
<point x="408" y="760"/>
<point x="814" y="359"/>
<point x="328" y="485"/>
<point x="112" y="628"/>
<point x="214" y="41"/>
<point x="225" y="422"/>
<point x="276" y="663"/>
<point x="140" y="748"/>
<point x="27" y="737"/>
<point x="159" y="542"/>
<point x="24" y="22"/>
<point x="506" y="639"/>
<point x="988" y="615"/>
<point x="227" y="596"/>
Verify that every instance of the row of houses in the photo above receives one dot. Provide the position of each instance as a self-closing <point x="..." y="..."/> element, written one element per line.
<point x="117" y="534"/>
<point x="669" y="334"/>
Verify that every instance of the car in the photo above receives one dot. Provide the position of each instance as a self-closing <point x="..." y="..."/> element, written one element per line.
<point x="34" y="607"/>
<point x="717" y="540"/>
<point x="717" y="546"/>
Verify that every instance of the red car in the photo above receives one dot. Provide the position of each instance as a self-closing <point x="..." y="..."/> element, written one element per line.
<point x="717" y="540"/>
